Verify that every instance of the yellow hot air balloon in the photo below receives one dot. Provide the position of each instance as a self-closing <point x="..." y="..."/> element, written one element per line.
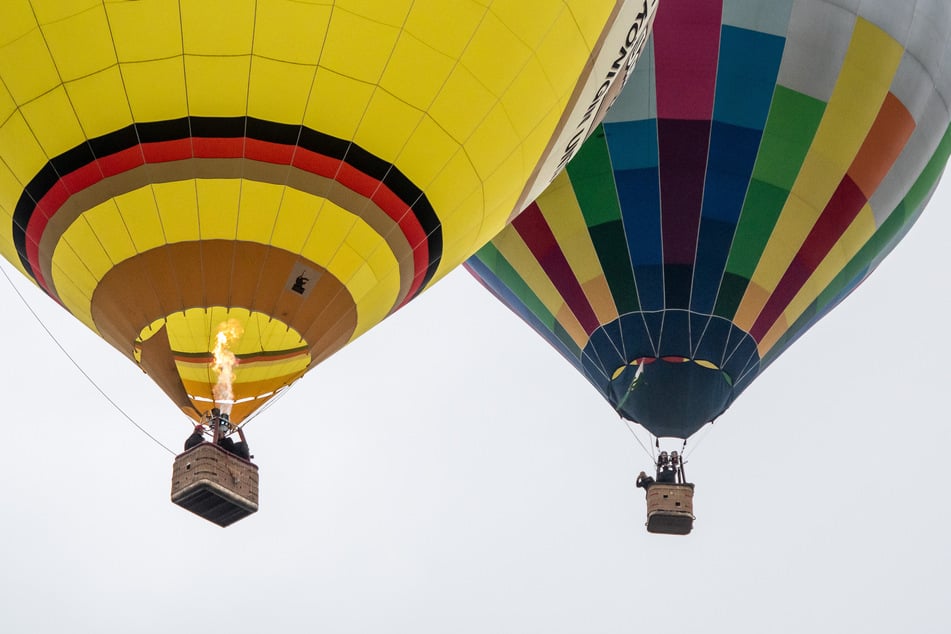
<point x="297" y="169"/>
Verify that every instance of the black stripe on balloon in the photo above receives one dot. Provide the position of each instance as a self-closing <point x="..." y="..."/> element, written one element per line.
<point x="114" y="142"/>
<point x="164" y="130"/>
<point x="223" y="128"/>
<point x="26" y="205"/>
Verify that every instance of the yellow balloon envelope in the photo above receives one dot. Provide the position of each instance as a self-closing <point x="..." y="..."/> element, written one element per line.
<point x="293" y="170"/>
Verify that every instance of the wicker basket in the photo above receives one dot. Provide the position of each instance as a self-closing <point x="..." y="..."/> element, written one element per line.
<point x="215" y="484"/>
<point x="670" y="508"/>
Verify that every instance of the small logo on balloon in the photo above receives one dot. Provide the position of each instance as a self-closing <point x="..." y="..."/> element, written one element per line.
<point x="300" y="283"/>
<point x="302" y="280"/>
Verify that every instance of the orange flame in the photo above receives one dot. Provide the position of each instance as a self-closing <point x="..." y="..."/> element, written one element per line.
<point x="225" y="362"/>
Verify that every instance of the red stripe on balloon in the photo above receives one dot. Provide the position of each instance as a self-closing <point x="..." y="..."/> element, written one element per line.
<point x="203" y="147"/>
<point x="163" y="151"/>
<point x="843" y="207"/>
<point x="268" y="152"/>
<point x="120" y="162"/>
<point x="538" y="237"/>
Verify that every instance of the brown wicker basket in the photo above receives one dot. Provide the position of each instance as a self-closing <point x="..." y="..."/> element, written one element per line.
<point x="670" y="508"/>
<point x="215" y="484"/>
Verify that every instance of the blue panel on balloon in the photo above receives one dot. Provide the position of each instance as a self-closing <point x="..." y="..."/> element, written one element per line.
<point x="746" y="76"/>
<point x="710" y="342"/>
<point x="729" y="168"/>
<point x="712" y="253"/>
<point x="632" y="144"/>
<point x="741" y="356"/>
<point x="604" y="352"/>
<point x="698" y="326"/>
<point x="638" y="193"/>
<point x="615" y="334"/>
<point x="675" y="337"/>
<point x="654" y="323"/>
<point x="650" y="287"/>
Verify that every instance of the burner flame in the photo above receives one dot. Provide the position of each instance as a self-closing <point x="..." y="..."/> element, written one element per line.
<point x="225" y="362"/>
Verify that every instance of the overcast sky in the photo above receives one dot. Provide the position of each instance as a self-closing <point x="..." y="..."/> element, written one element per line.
<point x="449" y="472"/>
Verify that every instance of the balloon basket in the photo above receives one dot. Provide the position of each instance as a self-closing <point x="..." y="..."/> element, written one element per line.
<point x="215" y="484"/>
<point x="670" y="508"/>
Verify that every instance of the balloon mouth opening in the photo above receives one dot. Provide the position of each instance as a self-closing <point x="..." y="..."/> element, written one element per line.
<point x="232" y="358"/>
<point x="641" y="363"/>
<point x="237" y="401"/>
<point x="671" y="396"/>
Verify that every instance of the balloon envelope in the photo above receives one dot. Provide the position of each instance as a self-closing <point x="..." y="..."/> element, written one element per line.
<point x="293" y="170"/>
<point x="762" y="160"/>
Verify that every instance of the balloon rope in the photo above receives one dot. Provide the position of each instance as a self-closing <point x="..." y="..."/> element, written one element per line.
<point x="278" y="394"/>
<point x="75" y="363"/>
<point x="700" y="439"/>
<point x="630" y="428"/>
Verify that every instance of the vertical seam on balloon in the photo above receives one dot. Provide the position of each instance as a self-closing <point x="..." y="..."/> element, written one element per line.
<point x="580" y="222"/>
<point x="321" y="203"/>
<point x="271" y="370"/>
<point x="642" y="311"/>
<point x="48" y="285"/>
<point x="12" y="212"/>
<point x="627" y="245"/>
<point x="38" y="275"/>
<point x="630" y="256"/>
<point x="652" y="97"/>
<point x="189" y="120"/>
<point x="242" y="163"/>
<point x="743" y="203"/>
<point x="125" y="91"/>
<point x="294" y="150"/>
<point x="382" y="178"/>
<point x="350" y="145"/>
<point x="518" y="203"/>
<point x="703" y="188"/>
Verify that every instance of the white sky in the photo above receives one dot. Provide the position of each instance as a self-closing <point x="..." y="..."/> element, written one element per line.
<point x="449" y="472"/>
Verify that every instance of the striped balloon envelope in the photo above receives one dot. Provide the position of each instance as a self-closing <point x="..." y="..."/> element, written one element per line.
<point x="762" y="160"/>
<point x="268" y="179"/>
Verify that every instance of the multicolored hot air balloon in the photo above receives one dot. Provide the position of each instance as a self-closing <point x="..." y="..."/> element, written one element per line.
<point x="290" y="171"/>
<point x="762" y="160"/>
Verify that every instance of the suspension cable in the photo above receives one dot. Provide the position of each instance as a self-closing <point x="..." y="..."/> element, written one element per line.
<point x="700" y="439"/>
<point x="630" y="428"/>
<point x="278" y="394"/>
<point x="76" y="363"/>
